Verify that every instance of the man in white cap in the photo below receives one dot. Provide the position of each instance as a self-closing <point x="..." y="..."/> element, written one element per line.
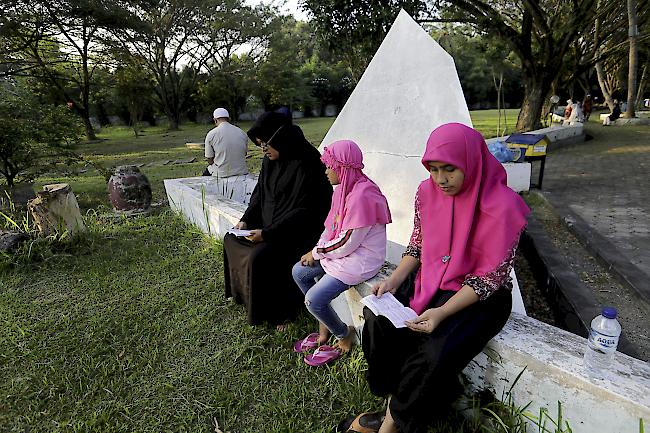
<point x="225" y="147"/>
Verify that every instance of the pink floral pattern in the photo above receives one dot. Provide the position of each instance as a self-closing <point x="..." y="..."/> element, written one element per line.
<point x="414" y="247"/>
<point x="483" y="285"/>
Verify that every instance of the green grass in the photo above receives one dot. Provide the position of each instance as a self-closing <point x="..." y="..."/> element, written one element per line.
<point x="118" y="146"/>
<point x="486" y="121"/>
<point x="128" y="330"/>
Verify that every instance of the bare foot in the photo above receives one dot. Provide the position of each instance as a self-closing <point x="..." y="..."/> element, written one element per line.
<point x="281" y="328"/>
<point x="388" y="426"/>
<point x="345" y="344"/>
<point x="323" y="334"/>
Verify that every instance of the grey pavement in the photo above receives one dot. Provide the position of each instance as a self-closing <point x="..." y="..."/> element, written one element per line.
<point x="606" y="183"/>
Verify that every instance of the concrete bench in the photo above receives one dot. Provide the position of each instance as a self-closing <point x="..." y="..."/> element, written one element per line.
<point x="551" y="357"/>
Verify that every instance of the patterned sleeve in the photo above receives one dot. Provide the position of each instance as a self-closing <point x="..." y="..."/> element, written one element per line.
<point x="414" y="247"/>
<point x="485" y="285"/>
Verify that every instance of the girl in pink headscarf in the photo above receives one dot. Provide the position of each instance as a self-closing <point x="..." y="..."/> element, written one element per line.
<point x="454" y="274"/>
<point x="351" y="249"/>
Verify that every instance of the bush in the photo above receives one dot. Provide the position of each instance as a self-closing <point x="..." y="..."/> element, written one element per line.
<point x="33" y="136"/>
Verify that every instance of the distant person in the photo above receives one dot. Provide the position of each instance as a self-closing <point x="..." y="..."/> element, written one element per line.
<point x="351" y="249"/>
<point x="285" y="215"/>
<point x="225" y="147"/>
<point x="568" y="109"/>
<point x="587" y="105"/>
<point x="616" y="113"/>
<point x="576" y="115"/>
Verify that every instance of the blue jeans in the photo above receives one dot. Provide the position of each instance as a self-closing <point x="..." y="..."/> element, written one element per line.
<point x="318" y="295"/>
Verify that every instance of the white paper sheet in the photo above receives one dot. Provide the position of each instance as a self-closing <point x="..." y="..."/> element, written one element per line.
<point x="240" y="233"/>
<point x="389" y="307"/>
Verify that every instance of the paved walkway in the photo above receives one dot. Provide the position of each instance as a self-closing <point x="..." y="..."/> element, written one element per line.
<point x="605" y="182"/>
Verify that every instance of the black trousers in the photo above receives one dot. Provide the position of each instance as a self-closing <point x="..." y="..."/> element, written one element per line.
<point x="259" y="276"/>
<point x="420" y="371"/>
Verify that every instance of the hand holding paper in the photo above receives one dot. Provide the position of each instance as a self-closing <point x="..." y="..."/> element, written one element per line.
<point x="239" y="233"/>
<point x="389" y="307"/>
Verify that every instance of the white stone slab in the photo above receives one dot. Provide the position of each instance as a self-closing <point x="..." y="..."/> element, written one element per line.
<point x="212" y="204"/>
<point x="409" y="88"/>
<point x="554" y="372"/>
<point x="518" y="175"/>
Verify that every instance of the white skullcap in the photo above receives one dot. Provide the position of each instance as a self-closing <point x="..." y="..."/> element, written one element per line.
<point x="220" y="112"/>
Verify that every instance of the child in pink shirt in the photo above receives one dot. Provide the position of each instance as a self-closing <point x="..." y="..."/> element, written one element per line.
<point x="352" y="247"/>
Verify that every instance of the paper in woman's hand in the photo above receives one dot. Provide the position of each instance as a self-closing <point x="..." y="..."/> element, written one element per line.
<point x="239" y="232"/>
<point x="389" y="307"/>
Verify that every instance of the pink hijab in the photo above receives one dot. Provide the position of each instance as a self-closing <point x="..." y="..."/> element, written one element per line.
<point x="470" y="233"/>
<point x="357" y="201"/>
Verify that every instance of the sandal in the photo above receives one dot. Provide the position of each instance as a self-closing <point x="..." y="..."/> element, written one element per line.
<point x="321" y="356"/>
<point x="367" y="422"/>
<point x="309" y="342"/>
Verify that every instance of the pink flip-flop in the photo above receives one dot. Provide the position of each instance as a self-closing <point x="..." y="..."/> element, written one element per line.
<point x="321" y="356"/>
<point x="309" y="342"/>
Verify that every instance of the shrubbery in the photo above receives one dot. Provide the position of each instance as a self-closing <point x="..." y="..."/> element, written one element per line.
<point x="33" y="136"/>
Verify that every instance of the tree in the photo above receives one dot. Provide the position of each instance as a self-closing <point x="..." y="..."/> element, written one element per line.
<point x="32" y="135"/>
<point x="539" y="32"/>
<point x="165" y="39"/>
<point x="133" y="85"/>
<point x="278" y="77"/>
<point x="60" y="44"/>
<point x="229" y="86"/>
<point x="355" y="29"/>
<point x="235" y="40"/>
<point x="633" y="33"/>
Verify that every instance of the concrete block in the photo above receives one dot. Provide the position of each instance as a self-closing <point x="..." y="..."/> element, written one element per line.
<point x="554" y="372"/>
<point x="212" y="204"/>
<point x="518" y="175"/>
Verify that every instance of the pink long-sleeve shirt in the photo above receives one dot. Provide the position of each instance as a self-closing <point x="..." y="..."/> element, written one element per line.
<point x="355" y="255"/>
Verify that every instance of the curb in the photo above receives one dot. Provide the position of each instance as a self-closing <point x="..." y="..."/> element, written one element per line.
<point x="605" y="251"/>
<point x="573" y="303"/>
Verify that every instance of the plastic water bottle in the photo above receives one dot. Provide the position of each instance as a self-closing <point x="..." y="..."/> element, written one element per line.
<point x="602" y="342"/>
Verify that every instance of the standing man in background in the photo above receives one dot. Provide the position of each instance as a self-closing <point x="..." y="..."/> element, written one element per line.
<point x="225" y="147"/>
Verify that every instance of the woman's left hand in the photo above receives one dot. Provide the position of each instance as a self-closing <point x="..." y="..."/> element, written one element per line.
<point x="256" y="236"/>
<point x="427" y="321"/>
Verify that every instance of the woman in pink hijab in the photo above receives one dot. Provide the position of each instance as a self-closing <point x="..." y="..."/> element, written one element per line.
<point x="351" y="249"/>
<point x="454" y="274"/>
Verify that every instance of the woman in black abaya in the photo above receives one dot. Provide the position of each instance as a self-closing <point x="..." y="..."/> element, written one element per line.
<point x="286" y="214"/>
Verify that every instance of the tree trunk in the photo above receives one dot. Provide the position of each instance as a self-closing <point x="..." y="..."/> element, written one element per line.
<point x="638" y="103"/>
<point x="90" y="131"/>
<point x="55" y="209"/>
<point x="535" y="90"/>
<point x="602" y="81"/>
<point x="633" y="59"/>
<point x="173" y="121"/>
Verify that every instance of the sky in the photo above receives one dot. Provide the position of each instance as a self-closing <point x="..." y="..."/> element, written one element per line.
<point x="289" y="7"/>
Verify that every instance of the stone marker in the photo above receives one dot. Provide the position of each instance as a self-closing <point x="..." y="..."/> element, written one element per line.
<point x="129" y="190"/>
<point x="56" y="208"/>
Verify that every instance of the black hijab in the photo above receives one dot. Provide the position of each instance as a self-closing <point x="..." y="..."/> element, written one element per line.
<point x="276" y="130"/>
<point x="292" y="194"/>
